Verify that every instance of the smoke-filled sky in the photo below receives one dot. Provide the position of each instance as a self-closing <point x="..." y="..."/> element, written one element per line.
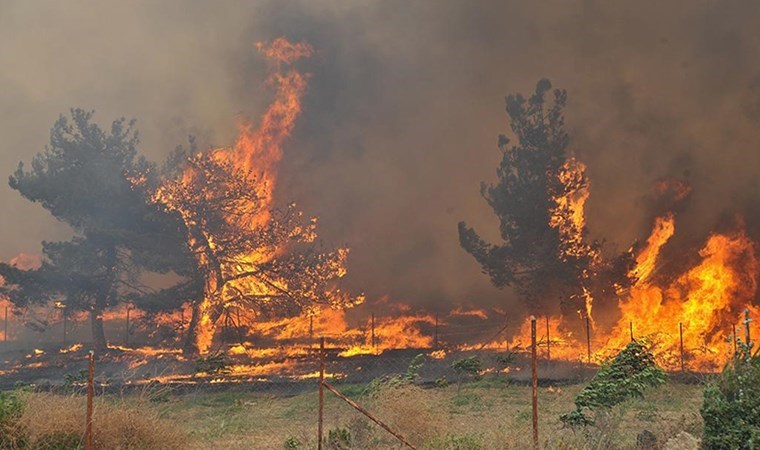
<point x="405" y="104"/>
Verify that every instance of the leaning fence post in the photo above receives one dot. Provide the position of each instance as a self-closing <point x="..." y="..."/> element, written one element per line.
<point x="534" y="379"/>
<point x="321" y="390"/>
<point x="90" y="394"/>
<point x="680" y="332"/>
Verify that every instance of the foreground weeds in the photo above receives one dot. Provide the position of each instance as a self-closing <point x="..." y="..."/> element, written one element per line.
<point x="49" y="421"/>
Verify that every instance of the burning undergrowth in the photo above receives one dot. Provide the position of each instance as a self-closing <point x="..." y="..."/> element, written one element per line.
<point x="255" y="288"/>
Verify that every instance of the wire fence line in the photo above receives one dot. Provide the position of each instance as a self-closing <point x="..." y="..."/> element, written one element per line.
<point x="307" y="366"/>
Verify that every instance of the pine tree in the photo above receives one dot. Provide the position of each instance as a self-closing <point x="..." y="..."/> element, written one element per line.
<point x="539" y="199"/>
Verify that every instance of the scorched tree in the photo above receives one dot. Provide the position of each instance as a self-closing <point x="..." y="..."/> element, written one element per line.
<point x="250" y="258"/>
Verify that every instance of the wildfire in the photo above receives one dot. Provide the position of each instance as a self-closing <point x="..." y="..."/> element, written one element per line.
<point x="569" y="213"/>
<point x="706" y="301"/>
<point x="225" y="197"/>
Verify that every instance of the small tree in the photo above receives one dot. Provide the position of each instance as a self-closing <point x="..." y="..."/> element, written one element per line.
<point x="464" y="367"/>
<point x="628" y="375"/>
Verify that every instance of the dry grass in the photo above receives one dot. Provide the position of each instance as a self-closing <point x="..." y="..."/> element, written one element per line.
<point x="484" y="415"/>
<point x="51" y="421"/>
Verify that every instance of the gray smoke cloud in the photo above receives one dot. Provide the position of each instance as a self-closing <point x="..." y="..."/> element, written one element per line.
<point x="403" y="111"/>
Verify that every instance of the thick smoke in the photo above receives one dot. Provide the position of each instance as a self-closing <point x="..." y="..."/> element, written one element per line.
<point x="403" y="112"/>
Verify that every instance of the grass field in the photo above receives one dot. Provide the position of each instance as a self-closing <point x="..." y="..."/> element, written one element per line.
<point x="488" y="414"/>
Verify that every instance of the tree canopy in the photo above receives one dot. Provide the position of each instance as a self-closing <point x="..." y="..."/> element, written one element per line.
<point x="83" y="177"/>
<point x="539" y="199"/>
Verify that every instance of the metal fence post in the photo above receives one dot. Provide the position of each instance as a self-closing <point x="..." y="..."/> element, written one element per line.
<point x="632" y="339"/>
<point x="588" y="339"/>
<point x="680" y="332"/>
<point x="747" y="320"/>
<point x="90" y="395"/>
<point x="534" y="379"/>
<point x="126" y="339"/>
<point x="435" y="332"/>
<point x="321" y="390"/>
<point x="374" y="341"/>
<point x="5" y="329"/>
<point x="733" y="332"/>
<point x="548" y="342"/>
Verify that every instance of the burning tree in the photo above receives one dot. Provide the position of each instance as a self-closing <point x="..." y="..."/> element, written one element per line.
<point x="83" y="179"/>
<point x="250" y="257"/>
<point x="539" y="199"/>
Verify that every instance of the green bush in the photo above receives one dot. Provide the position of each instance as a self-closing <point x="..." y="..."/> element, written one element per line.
<point x="11" y="407"/>
<point x="469" y="366"/>
<point x="626" y="376"/>
<point x="731" y="408"/>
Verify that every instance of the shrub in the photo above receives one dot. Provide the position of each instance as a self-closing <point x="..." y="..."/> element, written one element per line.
<point x="409" y="377"/>
<point x="339" y="439"/>
<point x="731" y="407"/>
<point x="466" y="366"/>
<point x="217" y="363"/>
<point x="626" y="376"/>
<point x="11" y="407"/>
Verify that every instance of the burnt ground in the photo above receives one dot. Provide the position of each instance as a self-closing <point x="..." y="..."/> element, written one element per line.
<point x="124" y="370"/>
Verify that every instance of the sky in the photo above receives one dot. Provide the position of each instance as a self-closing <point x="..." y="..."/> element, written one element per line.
<point x="405" y="104"/>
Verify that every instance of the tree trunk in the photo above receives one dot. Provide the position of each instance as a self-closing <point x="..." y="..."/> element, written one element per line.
<point x="190" y="347"/>
<point x="98" y="335"/>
